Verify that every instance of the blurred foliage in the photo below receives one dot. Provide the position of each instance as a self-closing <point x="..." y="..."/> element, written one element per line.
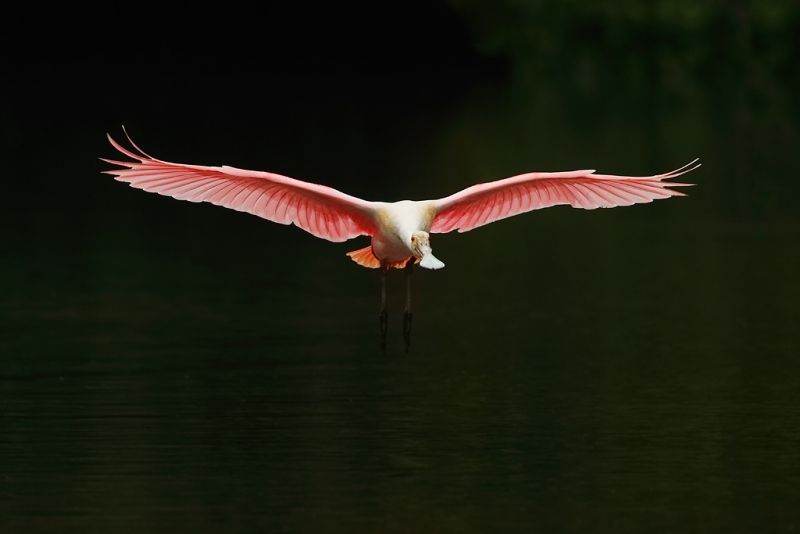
<point x="717" y="77"/>
<point x="670" y="39"/>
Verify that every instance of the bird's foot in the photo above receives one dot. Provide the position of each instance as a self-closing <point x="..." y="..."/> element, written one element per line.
<point x="407" y="329"/>
<point x="384" y="317"/>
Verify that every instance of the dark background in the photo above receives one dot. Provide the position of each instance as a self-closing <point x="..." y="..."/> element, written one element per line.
<point x="173" y="366"/>
<point x="289" y="73"/>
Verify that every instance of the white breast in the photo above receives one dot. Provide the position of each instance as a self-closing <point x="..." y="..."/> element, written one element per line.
<point x="397" y="221"/>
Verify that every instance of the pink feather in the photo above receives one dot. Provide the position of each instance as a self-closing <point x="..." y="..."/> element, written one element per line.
<point x="317" y="209"/>
<point x="485" y="203"/>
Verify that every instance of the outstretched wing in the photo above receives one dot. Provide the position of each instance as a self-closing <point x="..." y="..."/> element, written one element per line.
<point x="317" y="209"/>
<point x="485" y="203"/>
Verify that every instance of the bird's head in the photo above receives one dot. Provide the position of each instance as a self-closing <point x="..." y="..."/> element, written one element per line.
<point x="421" y="247"/>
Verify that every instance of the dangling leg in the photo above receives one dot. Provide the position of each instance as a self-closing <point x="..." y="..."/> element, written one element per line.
<point x="407" y="315"/>
<point x="384" y="317"/>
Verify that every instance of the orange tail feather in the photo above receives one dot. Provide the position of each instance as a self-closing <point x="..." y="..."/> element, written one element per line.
<point x="366" y="258"/>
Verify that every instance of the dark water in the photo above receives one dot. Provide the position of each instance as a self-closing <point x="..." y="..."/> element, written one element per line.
<point x="177" y="367"/>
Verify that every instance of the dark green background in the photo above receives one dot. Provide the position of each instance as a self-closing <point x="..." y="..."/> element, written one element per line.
<point x="171" y="367"/>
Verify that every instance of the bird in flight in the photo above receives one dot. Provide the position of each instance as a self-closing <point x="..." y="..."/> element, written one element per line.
<point x="401" y="230"/>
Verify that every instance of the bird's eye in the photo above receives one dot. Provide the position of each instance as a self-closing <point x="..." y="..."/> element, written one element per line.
<point x="413" y="238"/>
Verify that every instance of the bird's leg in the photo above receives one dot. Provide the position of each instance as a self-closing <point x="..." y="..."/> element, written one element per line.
<point x="384" y="317"/>
<point x="407" y="315"/>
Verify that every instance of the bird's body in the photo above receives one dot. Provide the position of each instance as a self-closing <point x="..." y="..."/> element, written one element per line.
<point x="396" y="224"/>
<point x="400" y="231"/>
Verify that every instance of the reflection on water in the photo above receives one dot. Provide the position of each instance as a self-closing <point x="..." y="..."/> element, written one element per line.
<point x="628" y="369"/>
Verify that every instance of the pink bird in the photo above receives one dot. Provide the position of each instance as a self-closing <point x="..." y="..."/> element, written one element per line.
<point x="400" y="231"/>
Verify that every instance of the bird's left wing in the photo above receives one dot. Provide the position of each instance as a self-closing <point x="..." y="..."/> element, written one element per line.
<point x="317" y="209"/>
<point x="485" y="203"/>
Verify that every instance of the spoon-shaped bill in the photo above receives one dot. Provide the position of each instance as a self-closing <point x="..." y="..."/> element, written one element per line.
<point x="429" y="261"/>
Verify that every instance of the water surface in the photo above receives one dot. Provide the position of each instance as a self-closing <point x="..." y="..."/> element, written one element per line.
<point x="169" y="366"/>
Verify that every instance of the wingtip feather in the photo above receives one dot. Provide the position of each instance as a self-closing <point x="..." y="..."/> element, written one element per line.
<point x="124" y="150"/>
<point x="689" y="167"/>
<point x="134" y="145"/>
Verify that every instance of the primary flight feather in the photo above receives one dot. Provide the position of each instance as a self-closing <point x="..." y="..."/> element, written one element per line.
<point x="400" y="231"/>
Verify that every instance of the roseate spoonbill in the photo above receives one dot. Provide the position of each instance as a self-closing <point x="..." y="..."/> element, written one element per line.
<point x="400" y="231"/>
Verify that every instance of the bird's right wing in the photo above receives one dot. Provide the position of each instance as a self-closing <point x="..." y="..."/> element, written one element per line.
<point x="493" y="201"/>
<point x="317" y="209"/>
